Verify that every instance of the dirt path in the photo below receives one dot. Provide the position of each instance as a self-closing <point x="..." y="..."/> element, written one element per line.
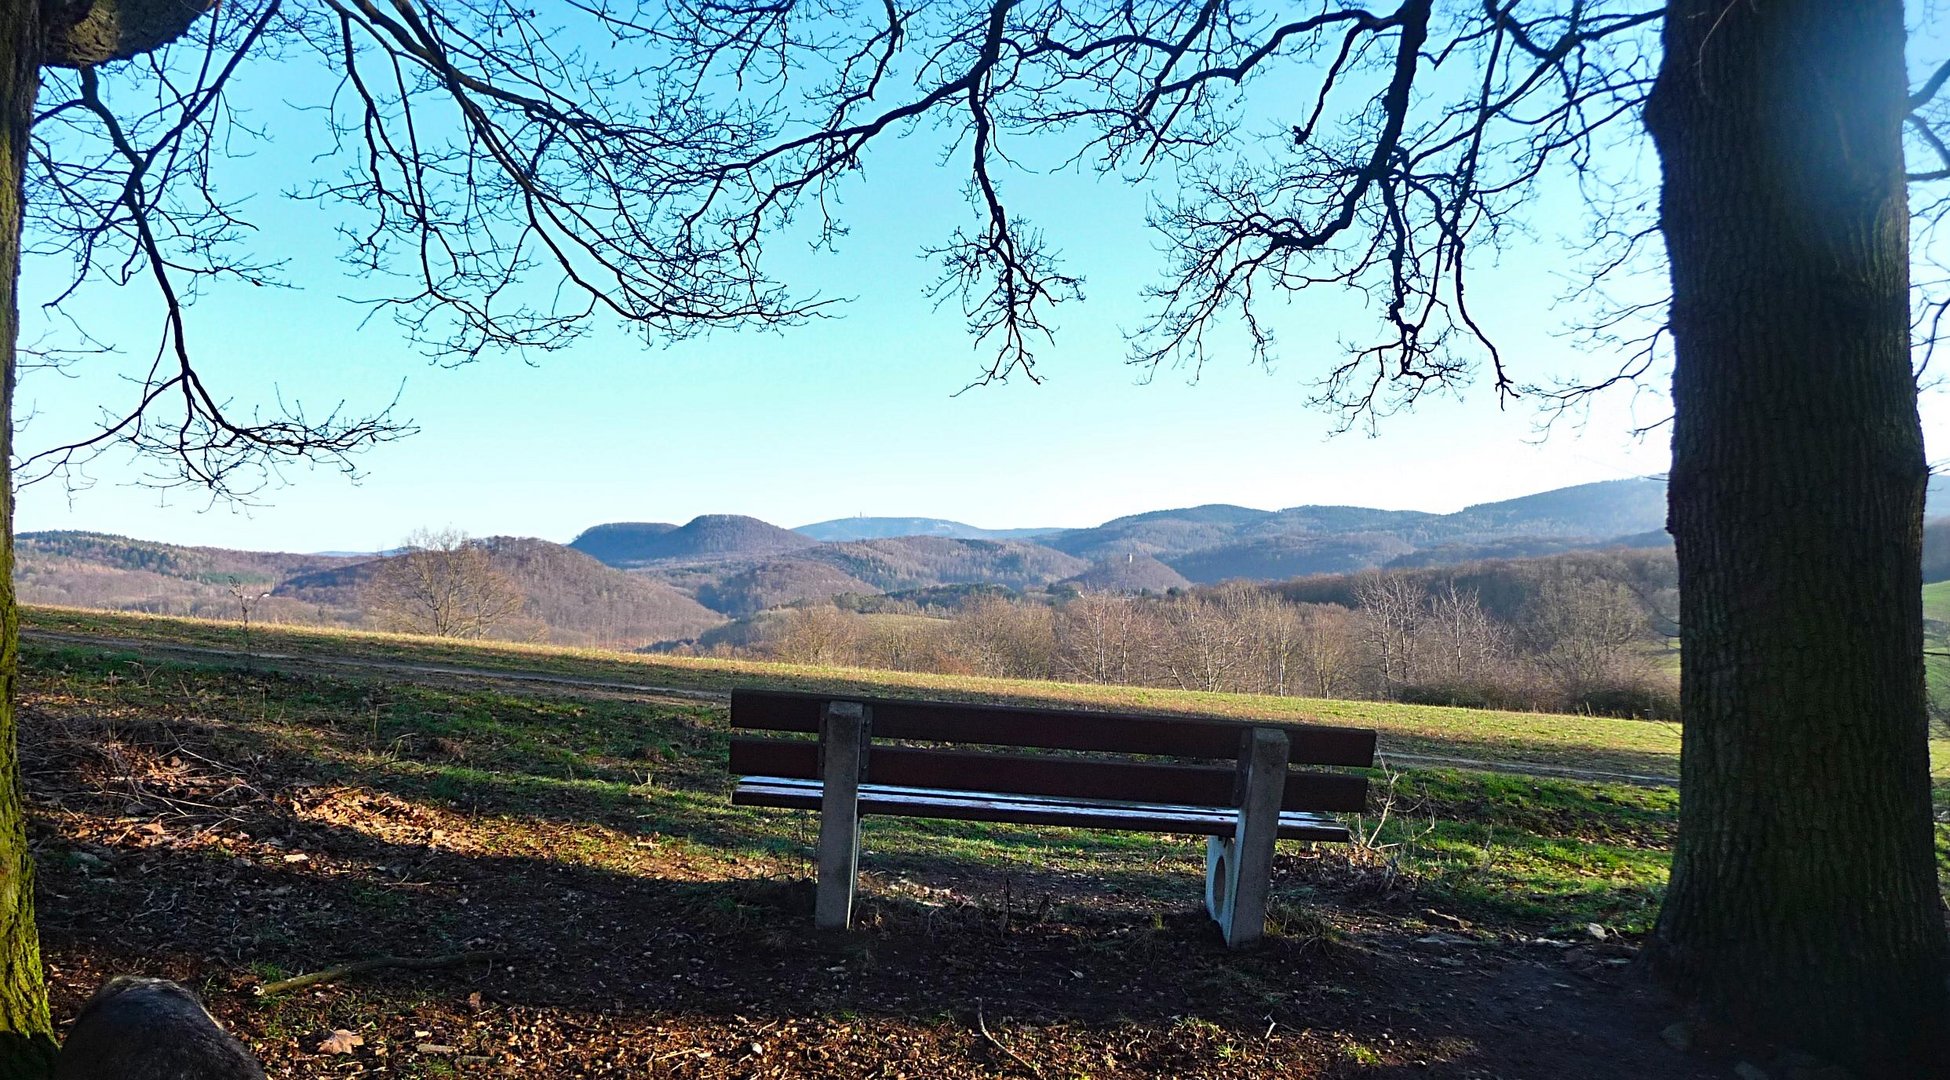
<point x="342" y="663"/>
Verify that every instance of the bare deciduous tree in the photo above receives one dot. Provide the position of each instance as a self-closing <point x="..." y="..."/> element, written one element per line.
<point x="817" y="634"/>
<point x="1106" y="638"/>
<point x="1005" y="639"/>
<point x="444" y="584"/>
<point x="1325" y="650"/>
<point x="1201" y="645"/>
<point x="1464" y="643"/>
<point x="1587" y="633"/>
<point x="1392" y="609"/>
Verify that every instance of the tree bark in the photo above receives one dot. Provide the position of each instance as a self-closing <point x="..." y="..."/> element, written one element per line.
<point x="26" y="1029"/>
<point x="1804" y="900"/>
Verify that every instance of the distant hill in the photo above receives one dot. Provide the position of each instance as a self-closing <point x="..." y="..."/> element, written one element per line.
<point x="568" y="597"/>
<point x="683" y="579"/>
<point x="1275" y="558"/>
<point x="1130" y="574"/>
<point x="1160" y="532"/>
<point x="915" y="562"/>
<point x="1214" y="542"/>
<point x="1609" y="508"/>
<point x="221" y="566"/>
<point x="618" y="542"/>
<point x="705" y="538"/>
<point x="883" y="528"/>
<point x="100" y="570"/>
<point x="777" y="583"/>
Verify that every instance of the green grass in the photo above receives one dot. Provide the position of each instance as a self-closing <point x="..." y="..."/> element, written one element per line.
<point x="1541" y="853"/>
<point x="1936" y="609"/>
<point x="1633" y="747"/>
<point x="1936" y="601"/>
<point x="1597" y="743"/>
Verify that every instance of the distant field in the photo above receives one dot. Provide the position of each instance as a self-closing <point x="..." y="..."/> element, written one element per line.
<point x="1936" y="601"/>
<point x="1936" y="608"/>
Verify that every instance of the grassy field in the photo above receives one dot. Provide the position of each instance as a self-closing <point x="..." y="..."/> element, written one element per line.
<point x="227" y="825"/>
<point x="1602" y="744"/>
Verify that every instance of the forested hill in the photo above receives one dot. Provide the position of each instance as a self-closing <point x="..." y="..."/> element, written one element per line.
<point x="566" y="596"/>
<point x="734" y="563"/>
<point x="642" y="582"/>
<point x="702" y="539"/>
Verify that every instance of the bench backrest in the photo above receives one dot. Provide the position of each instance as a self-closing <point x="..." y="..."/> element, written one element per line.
<point x="1063" y="775"/>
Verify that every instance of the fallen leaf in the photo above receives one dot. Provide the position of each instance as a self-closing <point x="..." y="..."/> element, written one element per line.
<point x="340" y="1042"/>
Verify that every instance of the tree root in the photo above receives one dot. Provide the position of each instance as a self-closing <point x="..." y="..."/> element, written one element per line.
<point x="360" y="967"/>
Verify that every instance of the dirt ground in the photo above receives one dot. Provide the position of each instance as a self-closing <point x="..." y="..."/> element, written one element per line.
<point x="226" y="848"/>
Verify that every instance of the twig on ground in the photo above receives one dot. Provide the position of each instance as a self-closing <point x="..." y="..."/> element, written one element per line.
<point x="982" y="1026"/>
<point x="346" y="971"/>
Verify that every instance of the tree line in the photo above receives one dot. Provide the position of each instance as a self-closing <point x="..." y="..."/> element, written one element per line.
<point x="1583" y="633"/>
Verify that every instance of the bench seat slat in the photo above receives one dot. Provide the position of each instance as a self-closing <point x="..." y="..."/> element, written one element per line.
<point x="896" y="801"/>
<point x="1044" y="774"/>
<point x="1053" y="729"/>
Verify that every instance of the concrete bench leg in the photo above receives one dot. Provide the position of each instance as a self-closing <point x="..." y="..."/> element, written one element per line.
<point x="1239" y="869"/>
<point x="842" y="745"/>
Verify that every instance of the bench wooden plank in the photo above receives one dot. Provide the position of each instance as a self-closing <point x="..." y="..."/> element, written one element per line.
<point x="891" y="801"/>
<point x="1052" y="729"/>
<point x="1032" y="774"/>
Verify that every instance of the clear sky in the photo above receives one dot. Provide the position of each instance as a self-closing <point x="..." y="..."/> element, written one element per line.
<point x="856" y="414"/>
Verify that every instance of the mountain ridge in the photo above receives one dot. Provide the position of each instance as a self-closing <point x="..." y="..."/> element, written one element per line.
<point x="840" y="530"/>
<point x="634" y="581"/>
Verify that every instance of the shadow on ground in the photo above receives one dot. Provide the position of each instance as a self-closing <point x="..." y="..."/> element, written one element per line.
<point x="228" y="831"/>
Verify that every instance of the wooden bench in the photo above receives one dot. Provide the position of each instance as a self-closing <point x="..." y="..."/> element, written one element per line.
<point x="863" y="763"/>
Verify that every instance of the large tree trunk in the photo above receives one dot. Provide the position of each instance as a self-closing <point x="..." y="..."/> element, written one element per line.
<point x="1804" y="901"/>
<point x="26" y="1031"/>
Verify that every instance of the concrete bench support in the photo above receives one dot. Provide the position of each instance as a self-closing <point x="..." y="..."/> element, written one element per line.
<point x="1239" y="868"/>
<point x="843" y="740"/>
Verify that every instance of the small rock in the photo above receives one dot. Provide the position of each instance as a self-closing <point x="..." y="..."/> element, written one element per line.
<point x="1596" y="930"/>
<point x="1747" y="1070"/>
<point x="1679" y="1036"/>
<point x="1443" y="939"/>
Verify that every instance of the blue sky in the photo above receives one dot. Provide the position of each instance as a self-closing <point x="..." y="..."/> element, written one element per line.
<point x="852" y="415"/>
